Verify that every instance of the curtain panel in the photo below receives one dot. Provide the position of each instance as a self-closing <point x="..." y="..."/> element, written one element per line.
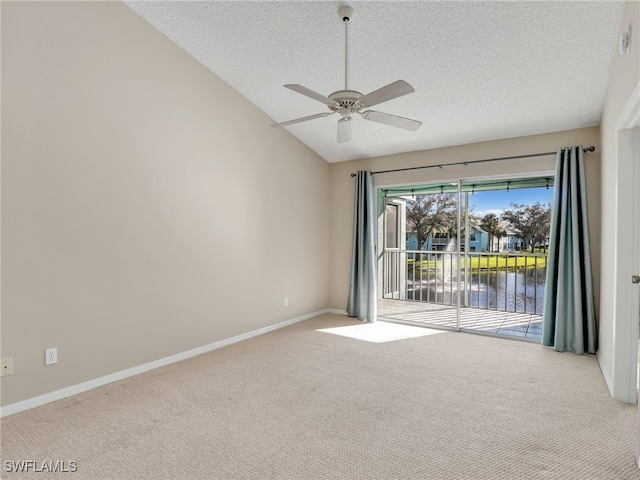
<point x="363" y="286"/>
<point x="569" y="322"/>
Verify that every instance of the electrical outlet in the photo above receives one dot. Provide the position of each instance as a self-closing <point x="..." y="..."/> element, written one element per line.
<point x="286" y="301"/>
<point x="50" y="356"/>
<point x="6" y="367"/>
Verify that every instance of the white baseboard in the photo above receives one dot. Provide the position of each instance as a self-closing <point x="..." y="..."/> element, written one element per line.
<point x="130" y="372"/>
<point x="336" y="311"/>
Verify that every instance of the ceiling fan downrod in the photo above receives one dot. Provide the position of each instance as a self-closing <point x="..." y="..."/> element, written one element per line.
<point x="346" y="14"/>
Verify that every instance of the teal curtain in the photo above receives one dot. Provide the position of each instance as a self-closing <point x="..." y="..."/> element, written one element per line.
<point x="569" y="322"/>
<point x="363" y="286"/>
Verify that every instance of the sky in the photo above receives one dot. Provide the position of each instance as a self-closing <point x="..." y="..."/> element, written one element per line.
<point x="497" y="201"/>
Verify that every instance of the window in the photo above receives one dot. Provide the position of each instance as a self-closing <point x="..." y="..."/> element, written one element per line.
<point x="391" y="226"/>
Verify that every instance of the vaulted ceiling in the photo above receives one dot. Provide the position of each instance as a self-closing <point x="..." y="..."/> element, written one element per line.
<point x="481" y="70"/>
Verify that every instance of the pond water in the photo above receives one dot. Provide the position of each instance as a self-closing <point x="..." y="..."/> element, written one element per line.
<point x="512" y="291"/>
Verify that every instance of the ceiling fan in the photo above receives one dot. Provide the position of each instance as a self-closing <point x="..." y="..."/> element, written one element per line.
<point x="347" y="102"/>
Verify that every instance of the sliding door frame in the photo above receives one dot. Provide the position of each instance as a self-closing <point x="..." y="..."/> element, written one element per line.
<point x="459" y="182"/>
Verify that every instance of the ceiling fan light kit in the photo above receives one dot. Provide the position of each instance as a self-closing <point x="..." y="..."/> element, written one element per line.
<point x="348" y="102"/>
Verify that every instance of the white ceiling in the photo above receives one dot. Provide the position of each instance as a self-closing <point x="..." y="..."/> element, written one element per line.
<point x="481" y="70"/>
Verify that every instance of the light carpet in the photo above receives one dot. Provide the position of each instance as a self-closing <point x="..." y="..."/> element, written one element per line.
<point x="319" y="401"/>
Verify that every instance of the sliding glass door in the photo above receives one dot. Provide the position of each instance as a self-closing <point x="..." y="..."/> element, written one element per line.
<point x="472" y="255"/>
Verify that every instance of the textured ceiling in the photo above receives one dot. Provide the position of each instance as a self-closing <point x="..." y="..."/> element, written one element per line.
<point x="481" y="70"/>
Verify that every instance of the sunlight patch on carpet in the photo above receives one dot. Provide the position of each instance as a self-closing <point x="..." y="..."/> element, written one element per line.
<point x="381" y="332"/>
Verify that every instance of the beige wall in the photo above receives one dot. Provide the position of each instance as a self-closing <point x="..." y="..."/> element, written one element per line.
<point x="342" y="185"/>
<point x="625" y="75"/>
<point x="147" y="208"/>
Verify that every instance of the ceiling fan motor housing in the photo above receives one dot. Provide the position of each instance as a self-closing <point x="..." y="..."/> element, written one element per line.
<point x="347" y="102"/>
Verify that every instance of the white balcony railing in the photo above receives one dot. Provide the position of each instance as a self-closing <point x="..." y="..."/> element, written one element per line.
<point x="506" y="281"/>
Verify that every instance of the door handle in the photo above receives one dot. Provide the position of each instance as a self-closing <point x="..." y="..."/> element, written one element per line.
<point x="635" y="279"/>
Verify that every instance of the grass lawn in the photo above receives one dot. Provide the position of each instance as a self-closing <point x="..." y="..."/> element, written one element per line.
<point x="478" y="263"/>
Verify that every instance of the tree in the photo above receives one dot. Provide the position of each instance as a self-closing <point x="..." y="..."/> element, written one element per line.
<point x="432" y="213"/>
<point x="533" y="222"/>
<point x="499" y="233"/>
<point x="490" y="224"/>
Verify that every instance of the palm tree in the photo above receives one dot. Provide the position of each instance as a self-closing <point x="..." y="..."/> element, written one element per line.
<point x="499" y="233"/>
<point x="490" y="224"/>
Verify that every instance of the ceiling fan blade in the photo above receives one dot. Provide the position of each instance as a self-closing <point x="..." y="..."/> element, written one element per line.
<point x="391" y="120"/>
<point x="302" y="119"/>
<point x="344" y="130"/>
<point x="311" y="94"/>
<point x="391" y="91"/>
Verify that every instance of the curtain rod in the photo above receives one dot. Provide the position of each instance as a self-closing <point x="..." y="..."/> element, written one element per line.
<point x="588" y="149"/>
